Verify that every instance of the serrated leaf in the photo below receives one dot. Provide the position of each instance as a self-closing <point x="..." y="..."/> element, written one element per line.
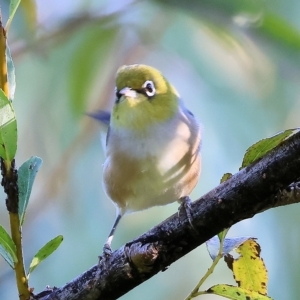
<point x="213" y="245"/>
<point x="8" y="248"/>
<point x="11" y="77"/>
<point x="235" y="293"/>
<point x="12" y="10"/>
<point x="8" y="129"/>
<point x="249" y="269"/>
<point x="262" y="147"/>
<point x="44" y="252"/>
<point x="225" y="177"/>
<point x="26" y="176"/>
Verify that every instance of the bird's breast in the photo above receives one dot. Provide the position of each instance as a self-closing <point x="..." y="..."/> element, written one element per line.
<point x="155" y="168"/>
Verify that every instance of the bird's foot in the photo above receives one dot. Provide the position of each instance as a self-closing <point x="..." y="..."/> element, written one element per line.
<point x="107" y="252"/>
<point x="185" y="208"/>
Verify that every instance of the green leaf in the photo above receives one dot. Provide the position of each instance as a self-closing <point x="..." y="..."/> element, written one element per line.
<point x="12" y="10"/>
<point x="235" y="293"/>
<point x="262" y="147"/>
<point x="11" y="77"/>
<point x="225" y="177"/>
<point x="44" y="252"/>
<point x="281" y="30"/>
<point x="8" y="248"/>
<point x="8" y="129"/>
<point x="26" y="176"/>
<point x="86" y="60"/>
<point x="222" y="234"/>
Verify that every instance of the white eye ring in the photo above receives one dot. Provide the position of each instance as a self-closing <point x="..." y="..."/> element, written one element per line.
<point x="149" y="88"/>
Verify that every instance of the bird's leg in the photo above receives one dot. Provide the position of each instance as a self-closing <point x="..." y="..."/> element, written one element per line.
<point x="107" y="246"/>
<point x="185" y="206"/>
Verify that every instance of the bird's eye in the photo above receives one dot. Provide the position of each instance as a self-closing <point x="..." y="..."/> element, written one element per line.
<point x="149" y="88"/>
<point x="117" y="93"/>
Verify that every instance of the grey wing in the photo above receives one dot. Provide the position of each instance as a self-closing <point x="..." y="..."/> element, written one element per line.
<point x="107" y="135"/>
<point x="193" y="119"/>
<point x="101" y="116"/>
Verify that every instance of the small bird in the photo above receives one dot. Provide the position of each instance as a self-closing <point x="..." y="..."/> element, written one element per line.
<point x="152" y="145"/>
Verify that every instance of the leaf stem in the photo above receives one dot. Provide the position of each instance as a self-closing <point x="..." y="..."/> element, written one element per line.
<point x="195" y="292"/>
<point x="10" y="185"/>
<point x="16" y="235"/>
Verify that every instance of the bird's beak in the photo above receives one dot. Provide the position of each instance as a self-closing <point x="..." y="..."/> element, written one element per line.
<point x="128" y="92"/>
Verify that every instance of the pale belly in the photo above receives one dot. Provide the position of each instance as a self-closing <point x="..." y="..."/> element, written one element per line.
<point x="138" y="183"/>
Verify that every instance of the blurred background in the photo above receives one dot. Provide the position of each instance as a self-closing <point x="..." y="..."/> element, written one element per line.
<point x="235" y="63"/>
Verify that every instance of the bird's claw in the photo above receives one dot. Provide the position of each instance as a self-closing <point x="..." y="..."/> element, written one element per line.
<point x="185" y="208"/>
<point x="107" y="252"/>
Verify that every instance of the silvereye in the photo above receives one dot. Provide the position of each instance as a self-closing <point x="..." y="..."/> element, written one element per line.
<point x="153" y="144"/>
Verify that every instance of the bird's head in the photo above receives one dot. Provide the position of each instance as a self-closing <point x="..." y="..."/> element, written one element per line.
<point x="143" y="97"/>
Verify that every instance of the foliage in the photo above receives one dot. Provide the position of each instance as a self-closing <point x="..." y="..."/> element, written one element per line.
<point x="11" y="248"/>
<point x="248" y="270"/>
<point x="264" y="146"/>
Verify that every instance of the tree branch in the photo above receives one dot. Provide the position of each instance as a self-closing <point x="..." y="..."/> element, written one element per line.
<point x="263" y="185"/>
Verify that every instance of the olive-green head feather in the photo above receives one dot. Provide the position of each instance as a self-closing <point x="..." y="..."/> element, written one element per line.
<point x="143" y="97"/>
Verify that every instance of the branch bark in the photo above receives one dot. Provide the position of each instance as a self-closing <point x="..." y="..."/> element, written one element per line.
<point x="265" y="184"/>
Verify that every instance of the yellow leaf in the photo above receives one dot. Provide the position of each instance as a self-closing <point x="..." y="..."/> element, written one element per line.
<point x="3" y="64"/>
<point x="235" y="293"/>
<point x="249" y="269"/>
<point x="30" y="13"/>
